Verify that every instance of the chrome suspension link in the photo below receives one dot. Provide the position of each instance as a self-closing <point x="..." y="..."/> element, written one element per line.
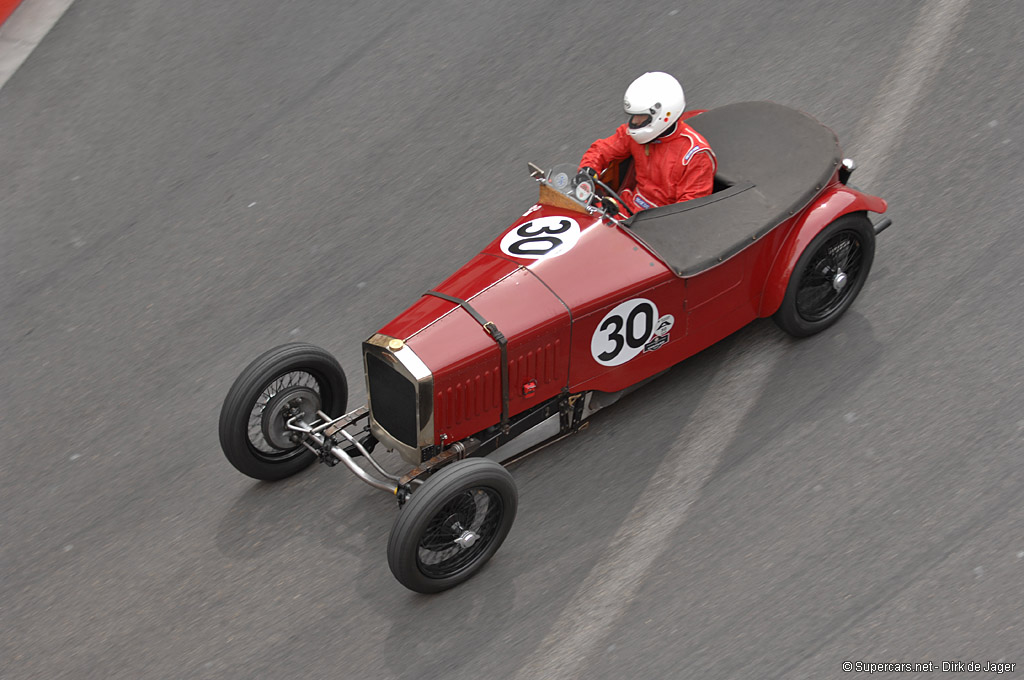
<point x="325" y="447"/>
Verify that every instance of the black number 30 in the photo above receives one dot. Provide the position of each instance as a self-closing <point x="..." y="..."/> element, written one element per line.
<point x="533" y="243"/>
<point x="614" y="325"/>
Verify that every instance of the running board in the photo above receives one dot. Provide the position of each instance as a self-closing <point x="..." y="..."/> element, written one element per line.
<point x="542" y="431"/>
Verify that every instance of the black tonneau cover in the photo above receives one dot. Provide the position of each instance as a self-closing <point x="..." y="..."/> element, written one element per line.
<point x="774" y="160"/>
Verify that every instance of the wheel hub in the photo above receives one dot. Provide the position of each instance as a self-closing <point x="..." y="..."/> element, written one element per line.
<point x="840" y="280"/>
<point x="464" y="538"/>
<point x="284" y="405"/>
<point x="467" y="539"/>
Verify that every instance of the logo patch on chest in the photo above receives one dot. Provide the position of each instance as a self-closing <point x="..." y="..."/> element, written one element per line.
<point x="642" y="202"/>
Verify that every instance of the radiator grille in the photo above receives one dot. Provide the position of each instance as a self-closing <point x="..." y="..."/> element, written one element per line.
<point x="392" y="400"/>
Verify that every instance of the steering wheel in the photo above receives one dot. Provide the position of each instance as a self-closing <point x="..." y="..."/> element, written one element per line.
<point x="610" y="193"/>
<point x="585" y="188"/>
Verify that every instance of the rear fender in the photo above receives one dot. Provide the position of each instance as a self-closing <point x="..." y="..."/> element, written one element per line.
<point x="837" y="200"/>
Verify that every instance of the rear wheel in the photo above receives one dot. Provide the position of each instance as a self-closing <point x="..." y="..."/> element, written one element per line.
<point x="828" y="276"/>
<point x="452" y="525"/>
<point x="283" y="382"/>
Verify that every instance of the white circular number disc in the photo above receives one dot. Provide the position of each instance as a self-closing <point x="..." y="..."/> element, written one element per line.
<point x="623" y="332"/>
<point x="542" y="237"/>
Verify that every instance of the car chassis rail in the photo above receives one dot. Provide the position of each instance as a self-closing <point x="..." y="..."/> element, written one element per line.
<point x="321" y="438"/>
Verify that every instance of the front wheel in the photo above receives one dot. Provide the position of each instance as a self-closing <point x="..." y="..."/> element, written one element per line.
<point x="290" y="380"/>
<point x="452" y="525"/>
<point x="828" y="276"/>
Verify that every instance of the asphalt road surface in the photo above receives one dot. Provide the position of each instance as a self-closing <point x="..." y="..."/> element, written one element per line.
<point x="187" y="184"/>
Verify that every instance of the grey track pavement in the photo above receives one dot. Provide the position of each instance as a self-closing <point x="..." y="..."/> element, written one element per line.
<point x="188" y="184"/>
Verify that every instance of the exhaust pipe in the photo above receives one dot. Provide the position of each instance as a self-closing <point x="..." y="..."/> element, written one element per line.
<point x="882" y="226"/>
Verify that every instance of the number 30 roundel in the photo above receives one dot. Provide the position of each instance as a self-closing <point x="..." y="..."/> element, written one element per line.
<point x="542" y="237"/>
<point x="624" y="331"/>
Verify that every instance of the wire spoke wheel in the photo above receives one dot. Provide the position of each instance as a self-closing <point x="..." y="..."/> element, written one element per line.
<point x="459" y="533"/>
<point x="292" y="393"/>
<point x="291" y="380"/>
<point x="452" y="525"/>
<point x="828" y="276"/>
<point x="827" y="280"/>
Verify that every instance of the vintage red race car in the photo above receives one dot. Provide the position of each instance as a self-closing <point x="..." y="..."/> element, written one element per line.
<point x="562" y="314"/>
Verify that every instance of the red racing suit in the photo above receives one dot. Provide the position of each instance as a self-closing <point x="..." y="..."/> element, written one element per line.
<point x="673" y="168"/>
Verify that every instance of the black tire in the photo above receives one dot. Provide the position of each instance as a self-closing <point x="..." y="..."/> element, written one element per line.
<point x="475" y="496"/>
<point x="252" y="435"/>
<point x="817" y="295"/>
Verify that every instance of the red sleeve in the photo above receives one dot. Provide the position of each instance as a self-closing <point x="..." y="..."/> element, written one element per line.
<point x="698" y="178"/>
<point x="604" y="152"/>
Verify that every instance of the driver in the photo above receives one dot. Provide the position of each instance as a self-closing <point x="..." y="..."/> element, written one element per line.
<point x="672" y="161"/>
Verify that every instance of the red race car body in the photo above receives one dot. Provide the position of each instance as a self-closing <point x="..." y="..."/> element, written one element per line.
<point x="589" y="304"/>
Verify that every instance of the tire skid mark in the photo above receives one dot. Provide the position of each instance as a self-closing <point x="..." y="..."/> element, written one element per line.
<point x="644" y="535"/>
<point x="919" y="60"/>
<point x="608" y="590"/>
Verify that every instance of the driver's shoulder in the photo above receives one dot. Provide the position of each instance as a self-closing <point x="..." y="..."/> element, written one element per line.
<point x="689" y="136"/>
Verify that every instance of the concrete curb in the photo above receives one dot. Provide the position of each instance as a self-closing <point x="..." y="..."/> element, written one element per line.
<point x="7" y="8"/>
<point x="23" y="28"/>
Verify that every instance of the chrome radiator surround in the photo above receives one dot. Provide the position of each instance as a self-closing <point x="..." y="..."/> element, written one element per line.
<point x="395" y="353"/>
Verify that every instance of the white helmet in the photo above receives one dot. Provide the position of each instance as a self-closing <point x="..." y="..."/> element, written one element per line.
<point x="654" y="102"/>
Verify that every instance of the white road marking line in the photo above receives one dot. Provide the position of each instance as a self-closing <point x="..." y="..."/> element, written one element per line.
<point x="643" y="537"/>
<point x="611" y="585"/>
<point x="24" y="29"/>
<point x="917" y="63"/>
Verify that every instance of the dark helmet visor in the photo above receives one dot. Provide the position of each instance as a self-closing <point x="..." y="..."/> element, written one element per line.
<point x="639" y="120"/>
